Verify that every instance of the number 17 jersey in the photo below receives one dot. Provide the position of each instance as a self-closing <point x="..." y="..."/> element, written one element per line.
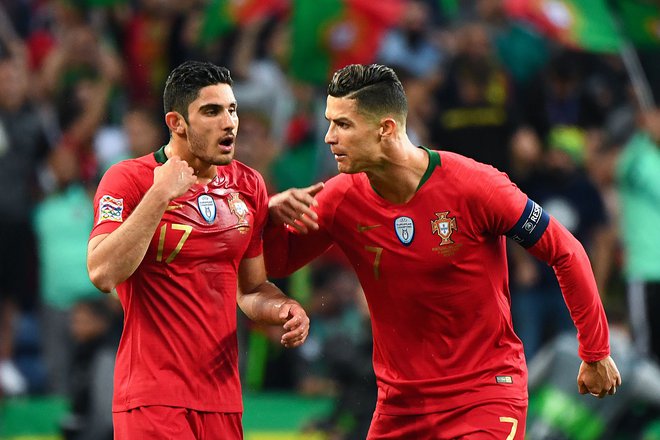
<point x="179" y="346"/>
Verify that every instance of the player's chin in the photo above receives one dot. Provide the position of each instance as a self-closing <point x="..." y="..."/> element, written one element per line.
<point x="223" y="159"/>
<point x="345" y="168"/>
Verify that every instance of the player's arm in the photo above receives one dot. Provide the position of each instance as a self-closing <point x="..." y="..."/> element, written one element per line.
<point x="264" y="302"/>
<point x="292" y="236"/>
<point x="544" y="237"/>
<point x="113" y="257"/>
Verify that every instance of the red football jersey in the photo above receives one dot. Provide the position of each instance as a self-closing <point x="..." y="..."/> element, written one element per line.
<point x="179" y="345"/>
<point x="434" y="272"/>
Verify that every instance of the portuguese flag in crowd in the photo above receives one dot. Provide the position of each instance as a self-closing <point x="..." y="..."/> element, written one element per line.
<point x="221" y="16"/>
<point x="329" y="34"/>
<point x="593" y="25"/>
<point x="640" y="20"/>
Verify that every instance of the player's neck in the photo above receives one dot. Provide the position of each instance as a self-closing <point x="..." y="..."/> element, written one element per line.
<point x="205" y="172"/>
<point x="398" y="179"/>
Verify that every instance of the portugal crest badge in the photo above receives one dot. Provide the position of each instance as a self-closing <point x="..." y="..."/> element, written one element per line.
<point x="239" y="209"/>
<point x="443" y="226"/>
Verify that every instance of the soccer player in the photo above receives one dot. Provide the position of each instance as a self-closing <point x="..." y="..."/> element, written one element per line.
<point x="176" y="232"/>
<point x="425" y="232"/>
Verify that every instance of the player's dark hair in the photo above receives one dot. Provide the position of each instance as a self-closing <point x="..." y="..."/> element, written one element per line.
<point x="375" y="88"/>
<point x="185" y="81"/>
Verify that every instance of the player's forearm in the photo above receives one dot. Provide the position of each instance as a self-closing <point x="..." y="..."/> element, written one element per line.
<point x="286" y="251"/>
<point x="263" y="303"/>
<point x="119" y="254"/>
<point x="571" y="265"/>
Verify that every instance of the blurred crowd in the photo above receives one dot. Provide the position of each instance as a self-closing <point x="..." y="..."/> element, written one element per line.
<point x="80" y="89"/>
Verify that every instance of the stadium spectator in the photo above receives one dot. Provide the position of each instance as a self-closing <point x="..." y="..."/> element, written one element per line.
<point x="23" y="145"/>
<point x="563" y="188"/>
<point x="638" y="176"/>
<point x="94" y="347"/>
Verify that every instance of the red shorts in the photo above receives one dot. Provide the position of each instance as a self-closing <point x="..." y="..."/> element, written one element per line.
<point x="167" y="422"/>
<point x="491" y="420"/>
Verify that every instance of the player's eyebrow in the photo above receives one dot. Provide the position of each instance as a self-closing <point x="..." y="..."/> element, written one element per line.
<point x="215" y="106"/>
<point x="341" y="119"/>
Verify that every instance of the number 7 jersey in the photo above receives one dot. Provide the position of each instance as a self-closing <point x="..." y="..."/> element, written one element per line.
<point x="434" y="272"/>
<point x="179" y="346"/>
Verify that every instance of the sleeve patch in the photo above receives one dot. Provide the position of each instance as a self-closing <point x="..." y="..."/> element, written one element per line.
<point x="110" y="209"/>
<point x="530" y="226"/>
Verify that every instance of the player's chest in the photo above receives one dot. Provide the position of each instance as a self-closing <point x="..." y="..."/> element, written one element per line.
<point x="424" y="238"/>
<point x="204" y="224"/>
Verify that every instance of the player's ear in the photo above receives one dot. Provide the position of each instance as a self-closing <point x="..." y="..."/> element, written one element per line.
<point x="175" y="122"/>
<point x="387" y="127"/>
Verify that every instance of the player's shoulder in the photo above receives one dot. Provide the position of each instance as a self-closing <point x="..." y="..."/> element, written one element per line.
<point x="466" y="169"/>
<point x="241" y="175"/>
<point x="343" y="183"/>
<point x="239" y="168"/>
<point x="134" y="167"/>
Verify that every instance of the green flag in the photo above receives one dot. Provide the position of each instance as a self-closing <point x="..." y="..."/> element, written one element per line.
<point x="592" y="25"/>
<point x="329" y="34"/>
<point x="221" y="16"/>
<point x="640" y="22"/>
<point x="584" y="24"/>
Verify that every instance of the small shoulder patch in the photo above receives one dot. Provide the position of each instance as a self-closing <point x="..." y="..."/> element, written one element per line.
<point x="110" y="209"/>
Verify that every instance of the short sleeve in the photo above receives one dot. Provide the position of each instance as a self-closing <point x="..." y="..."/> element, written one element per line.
<point x="116" y="196"/>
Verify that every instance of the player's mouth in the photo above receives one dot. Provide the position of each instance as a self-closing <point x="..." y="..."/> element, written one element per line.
<point x="226" y="144"/>
<point x="339" y="156"/>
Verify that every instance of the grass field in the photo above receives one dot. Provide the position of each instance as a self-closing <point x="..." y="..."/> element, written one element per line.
<point x="268" y="416"/>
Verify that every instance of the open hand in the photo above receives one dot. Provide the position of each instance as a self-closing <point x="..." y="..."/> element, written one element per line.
<point x="293" y="207"/>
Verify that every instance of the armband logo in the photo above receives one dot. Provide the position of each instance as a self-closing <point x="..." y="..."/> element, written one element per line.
<point x="110" y="209"/>
<point x="530" y="226"/>
<point x="240" y="210"/>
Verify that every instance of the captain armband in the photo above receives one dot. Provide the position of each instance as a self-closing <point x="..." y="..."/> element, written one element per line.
<point x="530" y="226"/>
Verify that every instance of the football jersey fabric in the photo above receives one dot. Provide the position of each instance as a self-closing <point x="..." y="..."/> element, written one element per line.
<point x="434" y="272"/>
<point x="179" y="346"/>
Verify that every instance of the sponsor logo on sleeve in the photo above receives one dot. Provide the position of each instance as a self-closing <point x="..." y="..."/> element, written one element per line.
<point x="110" y="209"/>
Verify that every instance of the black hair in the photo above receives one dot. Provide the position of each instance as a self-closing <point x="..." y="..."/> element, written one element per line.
<point x="376" y="89"/>
<point x="185" y="81"/>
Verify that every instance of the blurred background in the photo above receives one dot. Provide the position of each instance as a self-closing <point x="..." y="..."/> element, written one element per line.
<point x="562" y="95"/>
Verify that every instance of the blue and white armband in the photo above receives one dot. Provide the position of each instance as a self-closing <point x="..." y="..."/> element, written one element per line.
<point x="530" y="226"/>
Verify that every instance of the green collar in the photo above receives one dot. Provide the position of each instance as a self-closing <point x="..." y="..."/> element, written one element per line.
<point x="434" y="161"/>
<point x="160" y="155"/>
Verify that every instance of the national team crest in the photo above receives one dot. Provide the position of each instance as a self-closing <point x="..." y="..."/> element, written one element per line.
<point x="239" y="209"/>
<point x="110" y="209"/>
<point x="405" y="230"/>
<point x="206" y="207"/>
<point x="444" y="226"/>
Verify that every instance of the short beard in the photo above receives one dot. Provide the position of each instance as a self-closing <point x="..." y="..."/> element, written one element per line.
<point x="198" y="149"/>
